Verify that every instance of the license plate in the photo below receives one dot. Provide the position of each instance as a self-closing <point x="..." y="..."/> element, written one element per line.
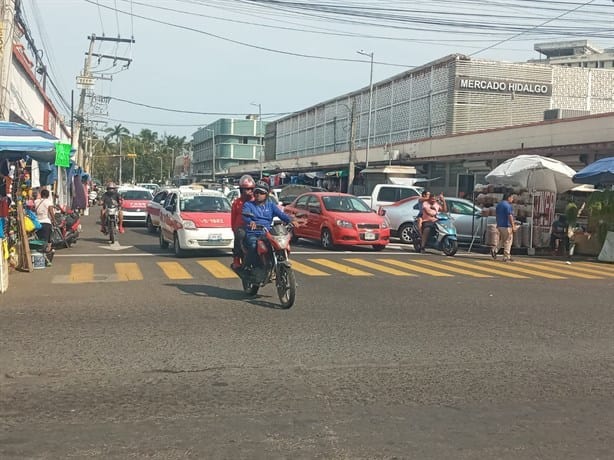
<point x="369" y="236"/>
<point x="215" y="237"/>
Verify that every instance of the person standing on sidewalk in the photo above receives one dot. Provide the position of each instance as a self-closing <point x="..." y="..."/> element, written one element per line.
<point x="506" y="226"/>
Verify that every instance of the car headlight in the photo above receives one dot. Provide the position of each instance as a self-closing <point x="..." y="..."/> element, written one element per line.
<point x="343" y="223"/>
<point x="189" y="225"/>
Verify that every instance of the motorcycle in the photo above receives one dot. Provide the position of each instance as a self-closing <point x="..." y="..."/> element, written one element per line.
<point x="441" y="237"/>
<point x="111" y="223"/>
<point x="65" y="228"/>
<point x="273" y="249"/>
<point x="93" y="197"/>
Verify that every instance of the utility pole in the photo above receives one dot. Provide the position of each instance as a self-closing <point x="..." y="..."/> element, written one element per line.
<point x="120" y="162"/>
<point x="260" y="141"/>
<point x="7" y="28"/>
<point x="351" y="166"/>
<point x="133" y="156"/>
<point x="86" y="81"/>
<point x="370" y="55"/>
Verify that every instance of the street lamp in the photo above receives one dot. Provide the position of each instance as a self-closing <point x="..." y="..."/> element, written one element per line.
<point x="259" y="133"/>
<point x="213" y="152"/>
<point x="370" y="55"/>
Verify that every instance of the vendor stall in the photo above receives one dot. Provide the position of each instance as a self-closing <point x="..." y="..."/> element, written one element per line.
<point x="536" y="181"/>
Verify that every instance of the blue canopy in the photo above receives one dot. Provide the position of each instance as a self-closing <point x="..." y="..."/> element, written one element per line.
<point x="18" y="140"/>
<point x="601" y="172"/>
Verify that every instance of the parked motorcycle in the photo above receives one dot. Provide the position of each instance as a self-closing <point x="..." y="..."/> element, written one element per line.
<point x="273" y="249"/>
<point x="65" y="228"/>
<point x="441" y="237"/>
<point x="111" y="223"/>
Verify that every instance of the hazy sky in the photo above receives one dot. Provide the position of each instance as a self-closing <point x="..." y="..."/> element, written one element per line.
<point x="218" y="56"/>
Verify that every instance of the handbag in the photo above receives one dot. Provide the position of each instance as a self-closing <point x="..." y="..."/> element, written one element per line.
<point x="31" y="222"/>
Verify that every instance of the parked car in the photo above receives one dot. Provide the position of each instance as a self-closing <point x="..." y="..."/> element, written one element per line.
<point x="134" y="204"/>
<point x="466" y="216"/>
<point x="339" y="219"/>
<point x="149" y="186"/>
<point x="193" y="221"/>
<point x="154" y="207"/>
<point x="385" y="194"/>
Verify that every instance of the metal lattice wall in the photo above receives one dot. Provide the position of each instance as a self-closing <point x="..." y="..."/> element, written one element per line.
<point x="424" y="102"/>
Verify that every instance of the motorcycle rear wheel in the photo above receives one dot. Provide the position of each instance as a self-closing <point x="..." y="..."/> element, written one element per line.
<point x="449" y="247"/>
<point x="286" y="286"/>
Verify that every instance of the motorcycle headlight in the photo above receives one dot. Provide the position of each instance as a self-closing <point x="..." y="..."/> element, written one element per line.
<point x="189" y="225"/>
<point x="343" y="223"/>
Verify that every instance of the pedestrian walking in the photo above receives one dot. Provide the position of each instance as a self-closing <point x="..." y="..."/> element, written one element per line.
<point x="506" y="226"/>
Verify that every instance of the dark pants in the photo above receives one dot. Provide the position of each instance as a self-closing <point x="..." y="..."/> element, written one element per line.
<point x="251" y="241"/>
<point x="237" y="251"/>
<point x="563" y="242"/>
<point x="44" y="233"/>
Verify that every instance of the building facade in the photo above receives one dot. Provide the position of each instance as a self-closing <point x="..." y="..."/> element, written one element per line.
<point x="225" y="143"/>
<point x="453" y="95"/>
<point x="575" y="53"/>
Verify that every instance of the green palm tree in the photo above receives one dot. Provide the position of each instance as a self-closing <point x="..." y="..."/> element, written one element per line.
<point x="117" y="132"/>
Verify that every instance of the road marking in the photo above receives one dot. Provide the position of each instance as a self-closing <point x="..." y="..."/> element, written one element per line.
<point x="340" y="267"/>
<point x="591" y="271"/>
<point x="462" y="271"/>
<point x="488" y="269"/>
<point x="415" y="268"/>
<point x="561" y="269"/>
<point x="381" y="268"/>
<point x="307" y="270"/>
<point x="128" y="271"/>
<point x="174" y="271"/>
<point x="81" y="273"/>
<point x="602" y="267"/>
<point x="512" y="266"/>
<point x="217" y="269"/>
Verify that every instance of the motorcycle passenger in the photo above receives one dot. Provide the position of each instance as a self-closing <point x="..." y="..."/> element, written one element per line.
<point x="246" y="187"/>
<point x="424" y="197"/>
<point x="430" y="209"/>
<point x="258" y="215"/>
<point x="110" y="197"/>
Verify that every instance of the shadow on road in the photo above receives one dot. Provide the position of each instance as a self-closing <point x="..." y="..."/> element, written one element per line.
<point x="226" y="294"/>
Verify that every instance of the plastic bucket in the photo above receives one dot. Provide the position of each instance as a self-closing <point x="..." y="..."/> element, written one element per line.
<point x="38" y="260"/>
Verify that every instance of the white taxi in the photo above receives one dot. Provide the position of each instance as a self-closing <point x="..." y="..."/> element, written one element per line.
<point x="193" y="220"/>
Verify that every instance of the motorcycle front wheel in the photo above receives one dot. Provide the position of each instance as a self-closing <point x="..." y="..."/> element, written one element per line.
<point x="111" y="230"/>
<point x="286" y="286"/>
<point x="449" y="247"/>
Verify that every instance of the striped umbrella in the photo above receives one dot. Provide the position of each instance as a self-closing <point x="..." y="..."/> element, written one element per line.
<point x="17" y="141"/>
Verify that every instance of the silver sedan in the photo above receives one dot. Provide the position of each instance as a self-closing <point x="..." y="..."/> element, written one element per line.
<point x="466" y="216"/>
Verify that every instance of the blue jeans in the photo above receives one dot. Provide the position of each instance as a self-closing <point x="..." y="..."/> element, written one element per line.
<point x="251" y="241"/>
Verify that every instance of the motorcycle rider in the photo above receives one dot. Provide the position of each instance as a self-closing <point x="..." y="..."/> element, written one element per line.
<point x="246" y="187"/>
<point x="110" y="197"/>
<point x="258" y="215"/>
<point x="430" y="209"/>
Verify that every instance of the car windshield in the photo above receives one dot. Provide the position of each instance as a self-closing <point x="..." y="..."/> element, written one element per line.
<point x="345" y="204"/>
<point x="205" y="204"/>
<point x="136" y="195"/>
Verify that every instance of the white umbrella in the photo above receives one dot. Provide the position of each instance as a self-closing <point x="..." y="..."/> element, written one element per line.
<point x="533" y="172"/>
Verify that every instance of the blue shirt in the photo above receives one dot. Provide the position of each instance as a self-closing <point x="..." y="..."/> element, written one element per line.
<point x="262" y="214"/>
<point x="504" y="211"/>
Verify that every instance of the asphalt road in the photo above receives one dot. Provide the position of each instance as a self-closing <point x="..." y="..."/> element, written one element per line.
<point x="379" y="365"/>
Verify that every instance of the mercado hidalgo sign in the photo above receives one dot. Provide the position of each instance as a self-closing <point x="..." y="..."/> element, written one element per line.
<point x="502" y="86"/>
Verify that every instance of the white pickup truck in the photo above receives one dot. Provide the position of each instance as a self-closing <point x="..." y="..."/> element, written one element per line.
<point x="385" y="194"/>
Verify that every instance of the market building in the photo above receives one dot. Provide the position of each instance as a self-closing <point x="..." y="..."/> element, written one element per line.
<point x="451" y="96"/>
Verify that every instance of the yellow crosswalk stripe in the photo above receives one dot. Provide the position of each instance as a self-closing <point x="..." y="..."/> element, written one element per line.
<point x="488" y="269"/>
<point x="128" y="271"/>
<point x="573" y="266"/>
<point x="174" y="271"/>
<point x="415" y="268"/>
<point x="381" y="268"/>
<point x="442" y="266"/>
<point x="562" y="269"/>
<point x="80" y="273"/>
<point x="340" y="267"/>
<point x="512" y="267"/>
<point x="307" y="270"/>
<point x="217" y="269"/>
<point x="602" y="267"/>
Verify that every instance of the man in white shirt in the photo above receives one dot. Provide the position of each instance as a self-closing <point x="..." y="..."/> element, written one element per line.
<point x="43" y="207"/>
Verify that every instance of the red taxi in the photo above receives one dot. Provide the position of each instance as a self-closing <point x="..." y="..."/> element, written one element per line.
<point x="134" y="204"/>
<point x="192" y="221"/>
